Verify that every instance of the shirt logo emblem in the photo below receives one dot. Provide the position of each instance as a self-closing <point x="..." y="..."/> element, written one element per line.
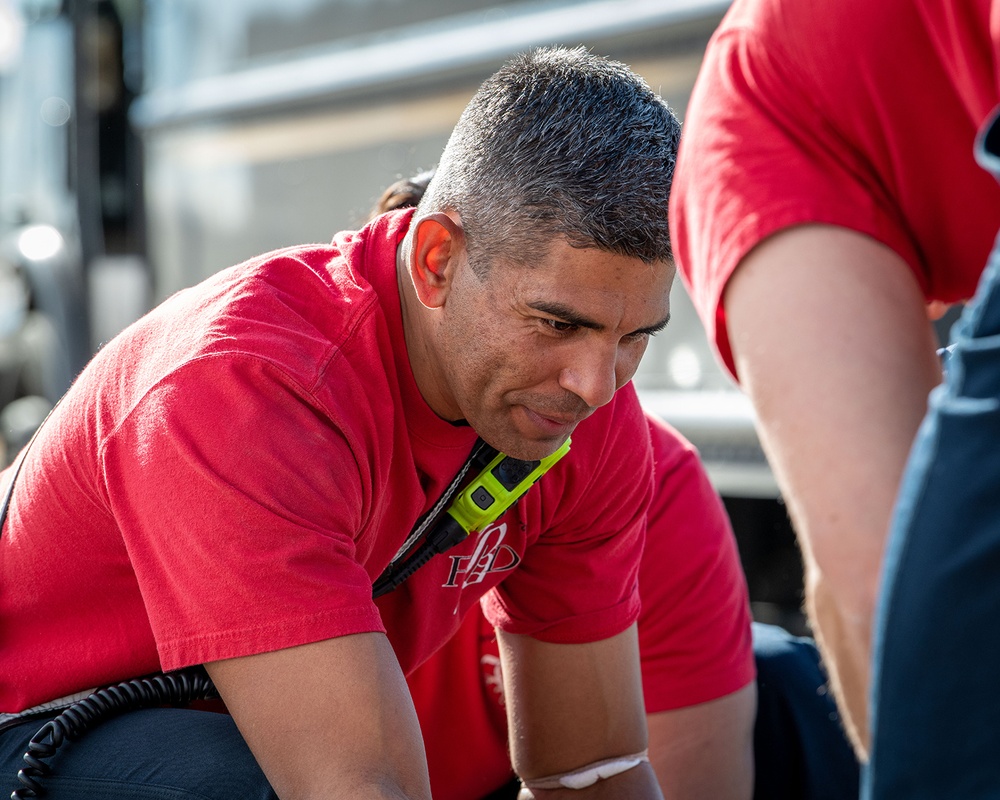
<point x="490" y="555"/>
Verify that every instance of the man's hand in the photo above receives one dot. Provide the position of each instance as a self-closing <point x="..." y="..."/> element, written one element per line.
<point x="329" y="719"/>
<point x="831" y="341"/>
<point x="571" y="705"/>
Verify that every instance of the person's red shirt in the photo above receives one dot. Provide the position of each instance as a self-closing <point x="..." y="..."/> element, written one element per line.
<point x="852" y="113"/>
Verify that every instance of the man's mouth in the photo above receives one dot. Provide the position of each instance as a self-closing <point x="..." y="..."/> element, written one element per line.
<point x="552" y="424"/>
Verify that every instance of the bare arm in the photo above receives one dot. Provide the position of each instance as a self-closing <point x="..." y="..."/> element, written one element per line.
<point x="706" y="750"/>
<point x="571" y="705"/>
<point x="832" y="343"/>
<point x="330" y="719"/>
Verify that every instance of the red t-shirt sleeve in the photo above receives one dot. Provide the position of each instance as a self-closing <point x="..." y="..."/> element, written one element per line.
<point x="762" y="151"/>
<point x="694" y="630"/>
<point x="239" y="523"/>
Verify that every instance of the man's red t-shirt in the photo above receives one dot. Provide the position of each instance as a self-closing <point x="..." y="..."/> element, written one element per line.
<point x="229" y="475"/>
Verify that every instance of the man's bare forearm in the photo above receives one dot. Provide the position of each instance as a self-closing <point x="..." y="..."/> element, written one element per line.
<point x="330" y="718"/>
<point x="844" y="638"/>
<point x="706" y="750"/>
<point x="832" y="343"/>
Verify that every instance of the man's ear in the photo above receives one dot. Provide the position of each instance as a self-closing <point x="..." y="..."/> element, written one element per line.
<point x="438" y="244"/>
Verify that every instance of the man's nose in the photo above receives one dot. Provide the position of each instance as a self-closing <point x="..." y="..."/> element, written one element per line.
<point x="592" y="375"/>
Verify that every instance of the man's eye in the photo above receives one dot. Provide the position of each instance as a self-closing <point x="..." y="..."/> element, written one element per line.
<point x="558" y="325"/>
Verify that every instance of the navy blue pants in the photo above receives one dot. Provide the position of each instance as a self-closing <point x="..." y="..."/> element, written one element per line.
<point x="935" y="703"/>
<point x="154" y="754"/>
<point x="800" y="749"/>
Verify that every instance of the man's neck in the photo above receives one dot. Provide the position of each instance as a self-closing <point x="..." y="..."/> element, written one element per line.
<point x="419" y="337"/>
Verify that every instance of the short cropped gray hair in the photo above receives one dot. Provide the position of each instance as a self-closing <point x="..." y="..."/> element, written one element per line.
<point x="560" y="142"/>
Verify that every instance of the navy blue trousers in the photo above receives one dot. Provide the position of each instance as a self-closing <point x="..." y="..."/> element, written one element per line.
<point x="935" y="704"/>
<point x="800" y="749"/>
<point x="154" y="754"/>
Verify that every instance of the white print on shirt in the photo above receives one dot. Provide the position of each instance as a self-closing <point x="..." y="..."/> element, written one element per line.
<point x="490" y="555"/>
<point x="492" y="676"/>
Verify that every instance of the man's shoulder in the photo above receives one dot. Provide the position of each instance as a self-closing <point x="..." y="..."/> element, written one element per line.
<point x="292" y="303"/>
<point x="612" y="445"/>
<point x="294" y="309"/>
<point x="670" y="448"/>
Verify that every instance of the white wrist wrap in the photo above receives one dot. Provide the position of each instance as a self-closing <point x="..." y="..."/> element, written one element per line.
<point x="589" y="775"/>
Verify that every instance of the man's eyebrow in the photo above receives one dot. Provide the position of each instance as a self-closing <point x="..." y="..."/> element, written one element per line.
<point x="652" y="330"/>
<point x="567" y="314"/>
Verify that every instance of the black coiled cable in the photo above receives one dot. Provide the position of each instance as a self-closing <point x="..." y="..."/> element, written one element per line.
<point x="172" y="688"/>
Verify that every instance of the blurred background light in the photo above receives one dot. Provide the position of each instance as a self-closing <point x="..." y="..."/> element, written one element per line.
<point x="39" y="242"/>
<point x="11" y="34"/>
<point x="684" y="367"/>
